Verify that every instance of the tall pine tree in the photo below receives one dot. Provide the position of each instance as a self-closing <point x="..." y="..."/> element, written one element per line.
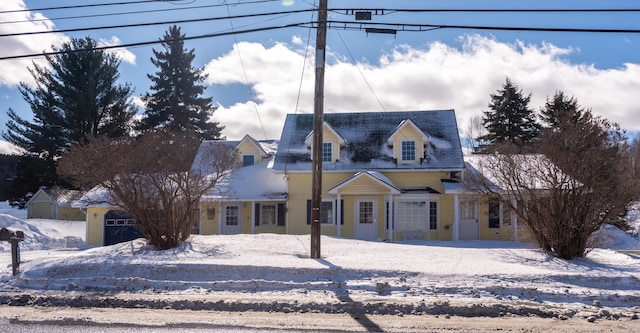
<point x="561" y="111"/>
<point x="510" y="120"/>
<point x="176" y="101"/>
<point x="74" y="97"/>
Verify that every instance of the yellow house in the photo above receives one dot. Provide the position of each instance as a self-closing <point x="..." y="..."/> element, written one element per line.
<point x="385" y="176"/>
<point x="54" y="203"/>
<point x="252" y="199"/>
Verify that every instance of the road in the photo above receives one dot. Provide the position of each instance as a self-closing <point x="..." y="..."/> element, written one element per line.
<point x="65" y="319"/>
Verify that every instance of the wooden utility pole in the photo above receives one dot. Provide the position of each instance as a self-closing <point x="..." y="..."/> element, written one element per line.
<point x="318" y="110"/>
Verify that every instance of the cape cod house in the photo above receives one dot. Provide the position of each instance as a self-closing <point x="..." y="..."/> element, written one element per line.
<point x="385" y="176"/>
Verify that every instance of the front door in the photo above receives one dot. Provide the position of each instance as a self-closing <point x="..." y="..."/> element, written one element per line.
<point x="231" y="221"/>
<point x="469" y="226"/>
<point x="366" y="219"/>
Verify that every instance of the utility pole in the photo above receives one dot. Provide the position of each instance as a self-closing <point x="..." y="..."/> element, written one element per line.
<point x="318" y="111"/>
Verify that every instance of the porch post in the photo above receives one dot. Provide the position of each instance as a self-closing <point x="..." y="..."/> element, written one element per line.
<point x="220" y="217"/>
<point x="253" y="217"/>
<point x="390" y="214"/>
<point x="456" y="216"/>
<point x="338" y="215"/>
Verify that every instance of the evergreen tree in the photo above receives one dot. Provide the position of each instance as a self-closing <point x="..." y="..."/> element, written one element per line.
<point x="561" y="111"/>
<point x="74" y="97"/>
<point x="510" y="120"/>
<point x="176" y="102"/>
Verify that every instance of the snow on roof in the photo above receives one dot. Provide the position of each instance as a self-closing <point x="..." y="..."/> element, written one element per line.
<point x="536" y="170"/>
<point x="61" y="197"/>
<point x="255" y="182"/>
<point x="366" y="135"/>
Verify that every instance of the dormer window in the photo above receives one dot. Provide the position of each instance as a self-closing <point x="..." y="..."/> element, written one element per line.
<point x="408" y="152"/>
<point x="327" y="152"/>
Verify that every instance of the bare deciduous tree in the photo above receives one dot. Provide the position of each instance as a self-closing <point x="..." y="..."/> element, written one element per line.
<point x="582" y="179"/>
<point x="153" y="177"/>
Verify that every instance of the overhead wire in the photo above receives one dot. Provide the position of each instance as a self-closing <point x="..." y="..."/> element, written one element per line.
<point x="246" y="79"/>
<point x="42" y="9"/>
<point x="132" y="12"/>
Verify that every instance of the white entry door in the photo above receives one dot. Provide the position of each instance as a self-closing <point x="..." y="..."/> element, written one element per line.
<point x="469" y="226"/>
<point x="231" y="221"/>
<point x="366" y="219"/>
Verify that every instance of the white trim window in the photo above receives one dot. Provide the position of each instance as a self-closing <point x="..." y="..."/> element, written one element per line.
<point x="327" y="152"/>
<point x="416" y="214"/>
<point x="408" y="150"/>
<point x="268" y="215"/>
<point x="232" y="215"/>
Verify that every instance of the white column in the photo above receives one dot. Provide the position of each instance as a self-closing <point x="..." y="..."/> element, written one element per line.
<point x="253" y="217"/>
<point x="338" y="214"/>
<point x="390" y="214"/>
<point x="456" y="215"/>
<point x="220" y="215"/>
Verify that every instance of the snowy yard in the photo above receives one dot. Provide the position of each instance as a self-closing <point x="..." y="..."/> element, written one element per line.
<point x="274" y="272"/>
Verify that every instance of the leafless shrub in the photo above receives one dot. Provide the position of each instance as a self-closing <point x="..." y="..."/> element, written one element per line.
<point x="152" y="177"/>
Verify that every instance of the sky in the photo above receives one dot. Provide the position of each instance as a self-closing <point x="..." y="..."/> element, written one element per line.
<point x="464" y="278"/>
<point x="256" y="78"/>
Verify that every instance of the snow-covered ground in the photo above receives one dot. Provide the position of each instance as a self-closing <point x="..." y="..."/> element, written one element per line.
<point x="273" y="272"/>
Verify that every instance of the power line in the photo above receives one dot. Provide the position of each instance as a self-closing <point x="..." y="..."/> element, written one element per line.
<point x="154" y="23"/>
<point x="81" y="6"/>
<point x="392" y="27"/>
<point x="133" y="12"/>
<point x="219" y="34"/>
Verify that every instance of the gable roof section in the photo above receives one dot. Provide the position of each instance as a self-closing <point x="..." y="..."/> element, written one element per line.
<point x="373" y="175"/>
<point x="60" y="196"/>
<point x="366" y="135"/>
<point x="254" y="142"/>
<point x="341" y="141"/>
<point x="401" y="126"/>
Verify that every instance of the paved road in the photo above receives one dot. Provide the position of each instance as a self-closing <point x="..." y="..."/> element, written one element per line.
<point x="63" y="319"/>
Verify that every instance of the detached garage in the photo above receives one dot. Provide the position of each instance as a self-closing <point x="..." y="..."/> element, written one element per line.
<point x="119" y="227"/>
<point x="55" y="204"/>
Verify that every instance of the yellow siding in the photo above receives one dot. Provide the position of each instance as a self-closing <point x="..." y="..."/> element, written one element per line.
<point x="41" y="210"/>
<point x="408" y="133"/>
<point x="72" y="214"/>
<point x="95" y="226"/>
<point x="209" y="226"/>
<point x="418" y="179"/>
<point x="363" y="186"/>
<point x="249" y="148"/>
<point x="446" y="217"/>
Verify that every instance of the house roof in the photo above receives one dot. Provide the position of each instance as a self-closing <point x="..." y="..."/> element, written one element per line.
<point x="241" y="185"/>
<point x="60" y="196"/>
<point x="373" y="175"/>
<point x="366" y="135"/>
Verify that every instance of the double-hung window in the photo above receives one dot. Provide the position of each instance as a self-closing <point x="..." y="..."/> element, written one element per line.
<point x="327" y="152"/>
<point x="326" y="212"/>
<point x="408" y="152"/>
<point x="268" y="215"/>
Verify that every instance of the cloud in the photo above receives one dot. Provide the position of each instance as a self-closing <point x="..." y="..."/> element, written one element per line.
<point x="7" y="148"/>
<point x="122" y="53"/>
<point x="13" y="72"/>
<point x="436" y="76"/>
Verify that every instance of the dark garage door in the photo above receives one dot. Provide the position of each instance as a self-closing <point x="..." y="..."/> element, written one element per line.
<point x="119" y="227"/>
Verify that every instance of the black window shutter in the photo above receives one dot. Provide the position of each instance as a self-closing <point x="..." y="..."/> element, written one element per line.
<point x="308" y="211"/>
<point x="257" y="217"/>
<point x="281" y="209"/>
<point x="341" y="211"/>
